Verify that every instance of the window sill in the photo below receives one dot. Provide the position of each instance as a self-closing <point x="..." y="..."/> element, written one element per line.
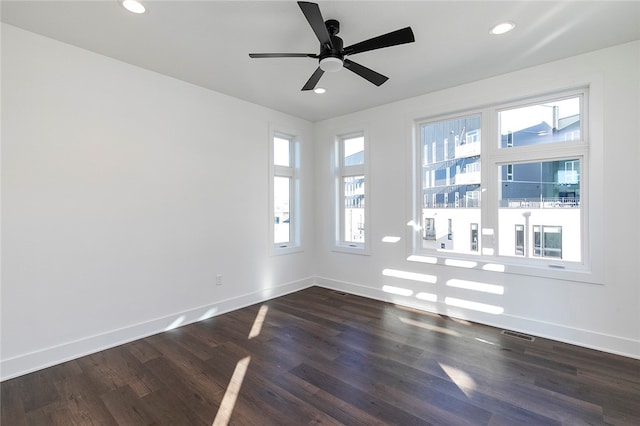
<point x="506" y="266"/>
<point x="355" y="248"/>
<point x="278" y="250"/>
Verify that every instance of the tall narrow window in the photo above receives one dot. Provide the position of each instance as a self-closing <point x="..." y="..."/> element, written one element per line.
<point x="351" y="189"/>
<point x="509" y="172"/>
<point x="474" y="237"/>
<point x="452" y="181"/>
<point x="429" y="228"/>
<point x="284" y="192"/>
<point x="519" y="240"/>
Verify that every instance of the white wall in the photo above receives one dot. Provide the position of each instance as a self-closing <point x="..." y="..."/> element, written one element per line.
<point x="604" y="316"/>
<point x="124" y="194"/>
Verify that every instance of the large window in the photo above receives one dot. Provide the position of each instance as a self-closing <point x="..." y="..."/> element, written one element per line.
<point x="351" y="217"/>
<point x="284" y="193"/>
<point x="451" y="182"/>
<point x="513" y="174"/>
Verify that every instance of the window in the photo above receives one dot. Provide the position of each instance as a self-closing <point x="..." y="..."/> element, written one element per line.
<point x="510" y="172"/>
<point x="548" y="121"/>
<point x="527" y="162"/>
<point x="519" y="243"/>
<point x="429" y="229"/>
<point x="351" y="229"/>
<point x="284" y="193"/>
<point x="547" y="241"/>
<point x="548" y="193"/>
<point x="450" y="190"/>
<point x="474" y="237"/>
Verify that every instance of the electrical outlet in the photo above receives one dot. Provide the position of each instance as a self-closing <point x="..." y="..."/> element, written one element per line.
<point x="219" y="279"/>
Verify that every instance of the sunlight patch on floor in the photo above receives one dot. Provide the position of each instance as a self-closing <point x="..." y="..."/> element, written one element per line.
<point x="462" y="380"/>
<point x="256" y="328"/>
<point x="485" y="341"/>
<point x="231" y="394"/>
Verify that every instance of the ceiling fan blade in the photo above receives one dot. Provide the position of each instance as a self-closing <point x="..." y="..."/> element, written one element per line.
<point x="311" y="11"/>
<point x="402" y="36"/>
<point x="282" y="55"/>
<point x="315" y="77"/>
<point x="364" y="72"/>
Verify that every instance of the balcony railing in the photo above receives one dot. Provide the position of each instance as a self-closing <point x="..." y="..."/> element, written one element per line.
<point x="540" y="203"/>
<point x="469" y="203"/>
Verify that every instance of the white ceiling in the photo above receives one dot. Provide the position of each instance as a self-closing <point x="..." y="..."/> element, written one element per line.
<point x="207" y="43"/>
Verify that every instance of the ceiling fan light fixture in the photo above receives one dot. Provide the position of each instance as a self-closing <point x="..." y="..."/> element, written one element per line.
<point x="133" y="6"/>
<point x="331" y="64"/>
<point x="320" y="90"/>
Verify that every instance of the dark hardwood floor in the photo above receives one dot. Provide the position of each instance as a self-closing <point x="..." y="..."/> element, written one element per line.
<point x="321" y="357"/>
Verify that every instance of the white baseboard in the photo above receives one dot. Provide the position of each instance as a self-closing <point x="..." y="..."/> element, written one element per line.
<point x="47" y="357"/>
<point x="33" y="361"/>
<point x="589" y="339"/>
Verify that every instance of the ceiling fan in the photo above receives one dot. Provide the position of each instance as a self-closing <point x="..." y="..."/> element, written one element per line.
<point x="332" y="54"/>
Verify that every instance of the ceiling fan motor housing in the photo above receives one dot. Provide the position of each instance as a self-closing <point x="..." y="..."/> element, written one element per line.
<point x="335" y="50"/>
<point x="331" y="57"/>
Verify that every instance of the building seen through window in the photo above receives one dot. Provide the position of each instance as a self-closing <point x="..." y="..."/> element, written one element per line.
<point x="538" y="212"/>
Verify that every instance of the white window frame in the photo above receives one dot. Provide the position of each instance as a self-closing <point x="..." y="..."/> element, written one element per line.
<point x="586" y="149"/>
<point x="294" y="173"/>
<point x="342" y="171"/>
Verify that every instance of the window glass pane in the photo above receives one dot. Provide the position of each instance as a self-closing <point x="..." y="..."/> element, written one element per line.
<point x="450" y="151"/>
<point x="547" y="122"/>
<point x="353" y="151"/>
<point x="281" y="201"/>
<point x="281" y="152"/>
<point x="519" y="240"/>
<point x="353" y="209"/>
<point x="474" y="237"/>
<point x="546" y="197"/>
<point x="552" y="241"/>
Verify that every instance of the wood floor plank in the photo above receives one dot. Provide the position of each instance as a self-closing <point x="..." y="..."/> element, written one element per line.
<point x="83" y="402"/>
<point x="127" y="409"/>
<point x="319" y="356"/>
<point x="337" y="408"/>
<point x="11" y="403"/>
<point x="202" y="401"/>
<point x="375" y="406"/>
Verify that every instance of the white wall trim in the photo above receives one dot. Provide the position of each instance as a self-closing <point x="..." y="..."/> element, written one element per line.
<point x="589" y="339"/>
<point x="37" y="360"/>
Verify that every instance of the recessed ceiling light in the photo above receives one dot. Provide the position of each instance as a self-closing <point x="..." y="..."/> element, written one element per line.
<point x="502" y="28"/>
<point x="320" y="90"/>
<point x="133" y="6"/>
